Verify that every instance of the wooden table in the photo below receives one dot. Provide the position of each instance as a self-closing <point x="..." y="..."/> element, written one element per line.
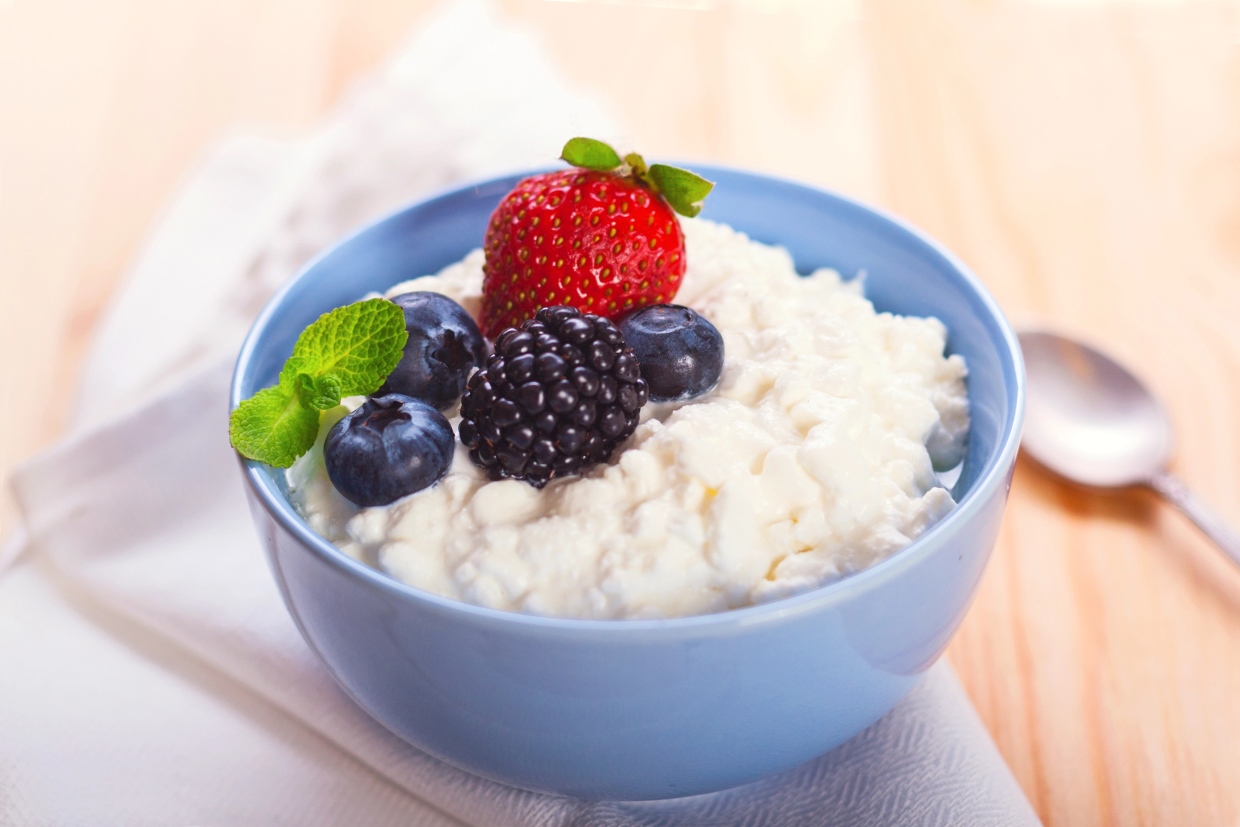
<point x="1083" y="157"/>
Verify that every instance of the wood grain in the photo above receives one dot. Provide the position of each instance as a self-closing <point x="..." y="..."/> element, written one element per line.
<point x="1083" y="157"/>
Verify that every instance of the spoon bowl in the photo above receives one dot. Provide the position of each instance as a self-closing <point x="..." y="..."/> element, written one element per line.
<point x="1089" y="419"/>
<point x="1093" y="422"/>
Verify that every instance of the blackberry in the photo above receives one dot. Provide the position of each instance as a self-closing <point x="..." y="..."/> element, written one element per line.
<point x="559" y="394"/>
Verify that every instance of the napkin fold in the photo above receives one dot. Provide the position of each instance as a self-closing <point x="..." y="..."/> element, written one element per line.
<point x="142" y="505"/>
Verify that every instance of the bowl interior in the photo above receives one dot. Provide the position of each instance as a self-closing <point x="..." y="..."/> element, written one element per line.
<point x="905" y="271"/>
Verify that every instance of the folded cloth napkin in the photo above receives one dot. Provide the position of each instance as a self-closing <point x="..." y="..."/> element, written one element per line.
<point x="142" y="504"/>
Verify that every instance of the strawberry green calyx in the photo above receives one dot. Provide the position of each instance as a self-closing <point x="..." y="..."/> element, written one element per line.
<point x="588" y="153"/>
<point x="683" y="190"/>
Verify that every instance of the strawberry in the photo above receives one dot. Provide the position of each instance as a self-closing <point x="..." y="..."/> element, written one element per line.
<point x="602" y="237"/>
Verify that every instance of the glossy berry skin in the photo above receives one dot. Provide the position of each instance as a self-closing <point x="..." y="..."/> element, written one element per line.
<point x="444" y="346"/>
<point x="559" y="395"/>
<point x="681" y="353"/>
<point x="388" y="448"/>
<point x="597" y="241"/>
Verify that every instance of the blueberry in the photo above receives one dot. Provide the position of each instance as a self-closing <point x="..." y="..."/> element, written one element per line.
<point x="681" y="353"/>
<point x="444" y="347"/>
<point x="388" y="448"/>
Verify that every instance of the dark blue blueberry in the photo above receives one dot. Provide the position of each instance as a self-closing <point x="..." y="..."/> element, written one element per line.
<point x="681" y="353"/>
<point x="444" y="346"/>
<point x="388" y="448"/>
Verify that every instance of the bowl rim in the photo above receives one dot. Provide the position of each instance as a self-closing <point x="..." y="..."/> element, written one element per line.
<point x="993" y="474"/>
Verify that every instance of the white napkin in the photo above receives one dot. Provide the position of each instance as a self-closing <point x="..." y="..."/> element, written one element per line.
<point x="142" y="505"/>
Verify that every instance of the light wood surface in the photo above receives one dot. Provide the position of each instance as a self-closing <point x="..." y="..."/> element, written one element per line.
<point x="1082" y="157"/>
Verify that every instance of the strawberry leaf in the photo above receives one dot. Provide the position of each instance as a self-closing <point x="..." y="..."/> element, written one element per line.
<point x="683" y="190"/>
<point x="590" y="154"/>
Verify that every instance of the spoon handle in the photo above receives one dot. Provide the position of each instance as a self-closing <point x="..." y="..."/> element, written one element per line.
<point x="1177" y="493"/>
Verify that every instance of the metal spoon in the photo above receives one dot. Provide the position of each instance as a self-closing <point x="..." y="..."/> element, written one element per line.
<point x="1091" y="421"/>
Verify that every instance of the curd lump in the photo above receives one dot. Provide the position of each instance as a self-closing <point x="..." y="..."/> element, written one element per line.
<point x="814" y="457"/>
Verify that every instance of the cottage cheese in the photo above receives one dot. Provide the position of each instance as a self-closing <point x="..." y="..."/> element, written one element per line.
<point x="814" y="457"/>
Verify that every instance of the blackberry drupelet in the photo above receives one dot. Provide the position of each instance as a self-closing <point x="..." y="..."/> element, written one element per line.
<point x="559" y="394"/>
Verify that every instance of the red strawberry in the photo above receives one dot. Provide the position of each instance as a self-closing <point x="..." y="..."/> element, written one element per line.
<point x="603" y="238"/>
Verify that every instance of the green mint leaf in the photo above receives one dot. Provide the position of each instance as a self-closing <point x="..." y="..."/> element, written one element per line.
<point x="347" y="352"/>
<point x="318" y="393"/>
<point x="590" y="154"/>
<point x="293" y="367"/>
<point x="683" y="190"/>
<point x="273" y="427"/>
<point x="360" y="344"/>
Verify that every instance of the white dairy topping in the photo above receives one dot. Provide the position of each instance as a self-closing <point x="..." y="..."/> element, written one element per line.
<point x="809" y="461"/>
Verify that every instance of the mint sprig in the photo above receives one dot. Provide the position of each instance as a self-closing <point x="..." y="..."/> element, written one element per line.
<point x="272" y="426"/>
<point x="347" y="352"/>
<point x="683" y="190"/>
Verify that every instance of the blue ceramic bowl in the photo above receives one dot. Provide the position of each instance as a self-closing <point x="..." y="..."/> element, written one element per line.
<point x="645" y="709"/>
